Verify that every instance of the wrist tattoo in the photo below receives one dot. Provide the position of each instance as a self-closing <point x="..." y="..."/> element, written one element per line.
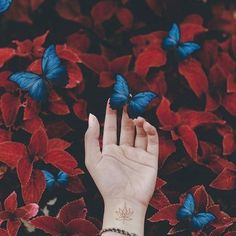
<point x="124" y="214"/>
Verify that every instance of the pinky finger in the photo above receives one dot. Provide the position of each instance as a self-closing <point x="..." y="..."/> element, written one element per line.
<point x="152" y="137"/>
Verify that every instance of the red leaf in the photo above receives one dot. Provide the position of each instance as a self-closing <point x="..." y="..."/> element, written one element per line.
<point x="155" y="6"/>
<point x="5" y="135"/>
<point x="229" y="144"/>
<point x="201" y="198"/>
<point x="73" y="210"/>
<point x="57" y="104"/>
<point x="24" y="48"/>
<point x="195" y="119"/>
<point x="57" y="144"/>
<point x="189" y="31"/>
<point x="38" y="143"/>
<point x="67" y="53"/>
<point x="10" y="203"/>
<point x="159" y="200"/>
<point x="3" y="232"/>
<point x="82" y="227"/>
<point x="33" y="190"/>
<point x="70" y="10"/>
<point x="147" y="41"/>
<point x="62" y="160"/>
<point x="149" y="58"/>
<point x="19" y="11"/>
<point x="80" y="109"/>
<point x="125" y="17"/>
<point x="6" y="55"/>
<point x="35" y="4"/>
<point x="194" y="19"/>
<point x="57" y="129"/>
<point x="13" y="227"/>
<point x="189" y="139"/>
<point x="8" y="85"/>
<point x="31" y="210"/>
<point x="79" y="41"/>
<point x="226" y="180"/>
<point x="103" y="11"/>
<point x="229" y="103"/>
<point x="166" y="213"/>
<point x="31" y="125"/>
<point x="32" y="108"/>
<point x="120" y="64"/>
<point x="12" y="152"/>
<point x="192" y="71"/>
<point x="75" y="184"/>
<point x="167" y="118"/>
<point x="231" y="85"/>
<point x="75" y="75"/>
<point x="24" y="170"/>
<point x="38" y="43"/>
<point x="10" y="106"/>
<point x="157" y="83"/>
<point x="95" y="62"/>
<point x="49" y="224"/>
<point x="166" y="148"/>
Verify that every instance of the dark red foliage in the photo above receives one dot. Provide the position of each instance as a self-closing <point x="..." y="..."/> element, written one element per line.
<point x="71" y="220"/>
<point x="13" y="215"/>
<point x="194" y="111"/>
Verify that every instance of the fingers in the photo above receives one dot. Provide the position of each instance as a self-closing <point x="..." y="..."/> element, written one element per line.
<point x="110" y="126"/>
<point x="127" y="129"/>
<point x="92" y="147"/>
<point x="141" y="136"/>
<point x="152" y="139"/>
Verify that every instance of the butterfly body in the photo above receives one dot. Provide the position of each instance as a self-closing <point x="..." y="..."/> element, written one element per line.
<point x="172" y="42"/>
<point x="5" y="5"/>
<point x="187" y="212"/>
<point x="61" y="180"/>
<point x="121" y="96"/>
<point x="54" y="74"/>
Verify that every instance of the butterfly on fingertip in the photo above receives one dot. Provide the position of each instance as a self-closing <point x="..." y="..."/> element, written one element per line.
<point x="122" y="96"/>
<point x="172" y="41"/>
<point x="5" y="5"/>
<point x="54" y="74"/>
<point x="61" y="179"/>
<point x="187" y="212"/>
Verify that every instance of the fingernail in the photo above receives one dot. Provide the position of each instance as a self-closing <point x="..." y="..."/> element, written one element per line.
<point x="91" y="118"/>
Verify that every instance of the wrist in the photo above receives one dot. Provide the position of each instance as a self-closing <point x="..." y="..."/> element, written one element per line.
<point x="124" y="214"/>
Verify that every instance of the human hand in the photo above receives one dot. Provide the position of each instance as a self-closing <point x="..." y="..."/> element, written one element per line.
<point x="124" y="172"/>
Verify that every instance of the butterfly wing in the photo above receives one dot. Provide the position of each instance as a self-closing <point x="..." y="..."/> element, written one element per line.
<point x="62" y="178"/>
<point x="186" y="49"/>
<point x="50" y="179"/>
<point x="4" y="5"/>
<point x="53" y="68"/>
<point x="32" y="83"/>
<point x="139" y="102"/>
<point x="120" y="93"/>
<point x="202" y="219"/>
<point x="187" y="209"/>
<point x="172" y="38"/>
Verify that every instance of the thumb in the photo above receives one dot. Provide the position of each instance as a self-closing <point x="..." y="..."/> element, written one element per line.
<point x="92" y="147"/>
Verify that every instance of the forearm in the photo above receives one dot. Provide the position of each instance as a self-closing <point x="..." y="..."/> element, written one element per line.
<point x="124" y="214"/>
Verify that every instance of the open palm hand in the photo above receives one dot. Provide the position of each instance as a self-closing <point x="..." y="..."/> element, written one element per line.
<point x="127" y="170"/>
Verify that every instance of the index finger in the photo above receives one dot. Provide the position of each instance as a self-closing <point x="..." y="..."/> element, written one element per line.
<point x="110" y="126"/>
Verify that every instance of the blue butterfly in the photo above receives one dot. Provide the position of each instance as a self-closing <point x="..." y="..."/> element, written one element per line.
<point x="52" y="181"/>
<point x="4" y="5"/>
<point x="53" y="72"/>
<point x="187" y="212"/>
<point x="173" y="41"/>
<point x="122" y="96"/>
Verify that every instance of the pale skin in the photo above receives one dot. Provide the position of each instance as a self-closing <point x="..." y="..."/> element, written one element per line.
<point x="125" y="170"/>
